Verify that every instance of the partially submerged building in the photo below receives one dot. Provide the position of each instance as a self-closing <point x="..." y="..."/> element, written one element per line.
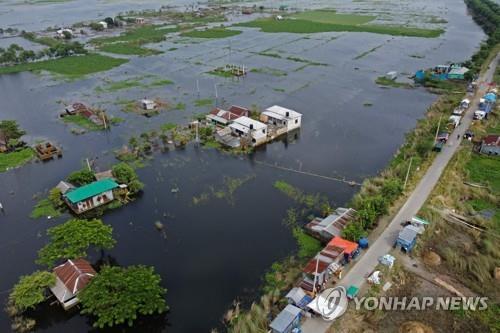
<point x="90" y="196"/>
<point x="332" y="225"/>
<point x="251" y="131"/>
<point x="71" y="278"/>
<point x="282" y="117"/>
<point x="148" y="104"/>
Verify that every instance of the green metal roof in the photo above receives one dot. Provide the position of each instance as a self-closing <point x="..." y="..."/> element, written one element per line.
<point x="90" y="190"/>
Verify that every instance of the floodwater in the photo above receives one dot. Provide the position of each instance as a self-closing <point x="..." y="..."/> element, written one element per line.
<point x="217" y="251"/>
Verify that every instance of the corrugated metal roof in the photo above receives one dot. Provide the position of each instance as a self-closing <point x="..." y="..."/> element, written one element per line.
<point x="75" y="274"/>
<point x="285" y="318"/>
<point x="91" y="190"/>
<point x="283" y="111"/>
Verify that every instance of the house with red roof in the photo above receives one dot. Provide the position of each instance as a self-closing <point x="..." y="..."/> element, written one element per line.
<point x="71" y="278"/>
<point x="490" y="145"/>
<point x="350" y="248"/>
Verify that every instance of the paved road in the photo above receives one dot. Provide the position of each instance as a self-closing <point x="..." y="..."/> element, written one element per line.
<point x="369" y="260"/>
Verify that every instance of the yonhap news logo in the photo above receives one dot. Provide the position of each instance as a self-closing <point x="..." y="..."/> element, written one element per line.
<point x="332" y="303"/>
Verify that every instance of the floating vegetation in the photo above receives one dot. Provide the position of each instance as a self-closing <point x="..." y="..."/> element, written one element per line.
<point x="136" y="82"/>
<point x="226" y="192"/>
<point x="203" y="102"/>
<point x="269" y="71"/>
<point x="73" y="67"/>
<point x="364" y="54"/>
<point x="384" y="81"/>
<point x="211" y="33"/>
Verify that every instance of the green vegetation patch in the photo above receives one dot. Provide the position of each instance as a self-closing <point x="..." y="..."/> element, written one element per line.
<point x="130" y="42"/>
<point x="308" y="246"/>
<point x="211" y="33"/>
<point x="128" y="49"/>
<point x="484" y="170"/>
<point x="269" y="70"/>
<point x="82" y="122"/>
<point x="15" y="158"/>
<point x="75" y="66"/>
<point x="45" y="208"/>
<point x="383" y="81"/>
<point x="203" y="102"/>
<point x="331" y="17"/>
<point x="301" y="26"/>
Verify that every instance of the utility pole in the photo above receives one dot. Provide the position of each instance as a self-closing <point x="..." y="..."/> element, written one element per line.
<point x="408" y="173"/>
<point x="104" y="121"/>
<point x="198" y="87"/>
<point x="216" y="94"/>
<point x="88" y="164"/>
<point x="315" y="276"/>
<point x="437" y="130"/>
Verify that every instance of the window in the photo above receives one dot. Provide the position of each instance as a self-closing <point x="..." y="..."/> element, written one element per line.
<point x="296" y="121"/>
<point x="264" y="131"/>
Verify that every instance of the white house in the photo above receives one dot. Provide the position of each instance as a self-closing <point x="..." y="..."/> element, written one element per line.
<point x="280" y="116"/>
<point x="71" y="278"/>
<point x="148" y="104"/>
<point x="103" y="24"/>
<point x="248" y="128"/>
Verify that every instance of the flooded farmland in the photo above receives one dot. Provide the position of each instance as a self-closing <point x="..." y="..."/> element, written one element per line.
<point x="216" y="251"/>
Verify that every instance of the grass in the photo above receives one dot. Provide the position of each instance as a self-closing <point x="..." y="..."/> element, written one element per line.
<point x="15" y="159"/>
<point x="44" y="208"/>
<point x="203" y="102"/>
<point x="168" y="127"/>
<point x="308" y="246"/>
<point x="221" y="72"/>
<point x="269" y="54"/>
<point x="484" y="170"/>
<point x="140" y="35"/>
<point x="129" y="42"/>
<point x="128" y="49"/>
<point x="383" y="81"/>
<point x="364" y="54"/>
<point x="133" y="83"/>
<point x="269" y="70"/>
<point x="306" y="61"/>
<point x="82" y="122"/>
<point x="75" y="66"/>
<point x="301" y="26"/>
<point x="211" y="33"/>
<point x="331" y="17"/>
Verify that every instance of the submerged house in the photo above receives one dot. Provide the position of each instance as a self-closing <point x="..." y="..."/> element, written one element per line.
<point x="90" y="196"/>
<point x="282" y="117"/>
<point x="252" y="130"/>
<point x="332" y="225"/>
<point x="71" y="278"/>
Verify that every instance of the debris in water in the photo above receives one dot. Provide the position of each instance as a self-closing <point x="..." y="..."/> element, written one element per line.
<point x="159" y="225"/>
<point x="174" y="190"/>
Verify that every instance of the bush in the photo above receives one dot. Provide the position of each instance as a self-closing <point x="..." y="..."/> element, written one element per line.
<point x="125" y="174"/>
<point x="81" y="177"/>
<point x="30" y="291"/>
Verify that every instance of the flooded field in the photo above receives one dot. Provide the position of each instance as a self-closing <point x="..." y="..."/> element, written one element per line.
<point x="216" y="251"/>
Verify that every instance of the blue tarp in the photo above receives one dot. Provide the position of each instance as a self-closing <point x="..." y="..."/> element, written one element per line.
<point x="490" y="97"/>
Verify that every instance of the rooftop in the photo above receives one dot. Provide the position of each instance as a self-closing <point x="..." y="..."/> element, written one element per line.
<point x="75" y="274"/>
<point x="91" y="190"/>
<point x="283" y="111"/>
<point x="247" y="122"/>
<point x="492" y="140"/>
<point x="285" y="318"/>
<point x="348" y="246"/>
